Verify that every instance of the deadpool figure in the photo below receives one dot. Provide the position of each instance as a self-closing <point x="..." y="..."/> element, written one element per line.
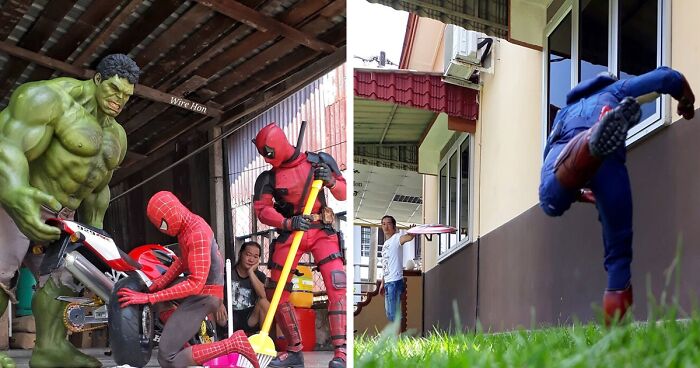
<point x="279" y="199"/>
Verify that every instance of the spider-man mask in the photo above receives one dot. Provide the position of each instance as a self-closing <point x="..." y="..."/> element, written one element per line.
<point x="273" y="145"/>
<point x="166" y="213"/>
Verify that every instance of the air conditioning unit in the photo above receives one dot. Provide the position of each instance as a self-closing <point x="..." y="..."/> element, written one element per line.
<point x="467" y="54"/>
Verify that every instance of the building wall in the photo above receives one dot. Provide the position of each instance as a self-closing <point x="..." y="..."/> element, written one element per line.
<point x="685" y="47"/>
<point x="428" y="46"/>
<point x="527" y="21"/>
<point x="508" y="145"/>
<point x="509" y="136"/>
<point x="537" y="270"/>
<point x="532" y="268"/>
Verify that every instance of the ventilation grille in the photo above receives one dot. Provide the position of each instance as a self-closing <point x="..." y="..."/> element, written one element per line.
<point x="407" y="199"/>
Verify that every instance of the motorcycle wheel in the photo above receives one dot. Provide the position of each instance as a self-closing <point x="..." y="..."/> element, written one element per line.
<point x="131" y="329"/>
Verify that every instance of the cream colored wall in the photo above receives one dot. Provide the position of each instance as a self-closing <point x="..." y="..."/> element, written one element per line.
<point x="685" y="45"/>
<point x="508" y="146"/>
<point x="431" y="186"/>
<point x="509" y="136"/>
<point x="433" y="142"/>
<point x="527" y="21"/>
<point x="428" y="46"/>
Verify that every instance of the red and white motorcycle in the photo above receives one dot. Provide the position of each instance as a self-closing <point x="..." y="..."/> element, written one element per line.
<point x="92" y="257"/>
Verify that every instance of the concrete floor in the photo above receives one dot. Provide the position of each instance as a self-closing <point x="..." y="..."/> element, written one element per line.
<point x="313" y="359"/>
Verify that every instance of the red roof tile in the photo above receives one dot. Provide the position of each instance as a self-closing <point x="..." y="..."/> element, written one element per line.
<point x="420" y="90"/>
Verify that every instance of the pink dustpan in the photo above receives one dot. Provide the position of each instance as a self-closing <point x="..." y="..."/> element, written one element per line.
<point x="230" y="360"/>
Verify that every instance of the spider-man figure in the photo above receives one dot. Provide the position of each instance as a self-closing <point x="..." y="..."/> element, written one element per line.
<point x="280" y="195"/>
<point x="198" y="294"/>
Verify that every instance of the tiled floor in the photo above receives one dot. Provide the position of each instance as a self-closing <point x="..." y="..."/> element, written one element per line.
<point x="315" y="359"/>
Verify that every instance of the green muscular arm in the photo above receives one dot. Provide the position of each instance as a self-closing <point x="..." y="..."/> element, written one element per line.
<point x="26" y="129"/>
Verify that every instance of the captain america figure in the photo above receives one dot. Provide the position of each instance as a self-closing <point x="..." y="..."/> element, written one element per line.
<point x="280" y="195"/>
<point x="584" y="160"/>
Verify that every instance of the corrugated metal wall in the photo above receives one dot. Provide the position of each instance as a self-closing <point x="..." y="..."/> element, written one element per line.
<point x="322" y="104"/>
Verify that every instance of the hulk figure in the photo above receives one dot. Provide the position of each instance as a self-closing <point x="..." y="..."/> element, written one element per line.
<point x="59" y="145"/>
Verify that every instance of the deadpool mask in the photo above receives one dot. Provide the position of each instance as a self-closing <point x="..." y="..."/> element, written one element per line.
<point x="273" y="145"/>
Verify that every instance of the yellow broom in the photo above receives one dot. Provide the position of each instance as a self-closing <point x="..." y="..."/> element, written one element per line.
<point x="262" y="344"/>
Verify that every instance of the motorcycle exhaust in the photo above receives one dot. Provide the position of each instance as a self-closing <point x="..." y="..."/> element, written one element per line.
<point x="89" y="275"/>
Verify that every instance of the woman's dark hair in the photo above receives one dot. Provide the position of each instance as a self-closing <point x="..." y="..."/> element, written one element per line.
<point x="244" y="246"/>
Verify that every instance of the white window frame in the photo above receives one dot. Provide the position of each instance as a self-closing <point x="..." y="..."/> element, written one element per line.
<point x="362" y="244"/>
<point x="444" y="162"/>
<point x="663" y="43"/>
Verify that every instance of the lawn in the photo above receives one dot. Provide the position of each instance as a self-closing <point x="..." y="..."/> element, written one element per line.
<point x="663" y="341"/>
<point x="664" y="344"/>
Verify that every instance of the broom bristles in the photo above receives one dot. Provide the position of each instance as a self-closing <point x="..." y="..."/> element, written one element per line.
<point x="263" y="361"/>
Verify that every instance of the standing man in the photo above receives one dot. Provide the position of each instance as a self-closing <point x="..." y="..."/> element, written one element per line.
<point x="279" y="199"/>
<point x="249" y="302"/>
<point x="198" y="294"/>
<point x="59" y="145"/>
<point x="585" y="160"/>
<point x="392" y="262"/>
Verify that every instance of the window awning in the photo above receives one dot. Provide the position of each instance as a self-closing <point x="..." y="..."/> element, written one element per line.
<point x="489" y="17"/>
<point x="421" y="90"/>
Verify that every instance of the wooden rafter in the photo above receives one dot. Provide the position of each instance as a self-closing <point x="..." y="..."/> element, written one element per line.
<point x="264" y="23"/>
<point x="274" y="96"/>
<point x="140" y="90"/>
<point x="76" y="33"/>
<point x="33" y="40"/>
<point x="10" y="14"/>
<point x="154" y="110"/>
<point x="98" y="41"/>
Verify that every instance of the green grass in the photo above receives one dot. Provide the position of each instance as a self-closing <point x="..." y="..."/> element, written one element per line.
<point x="664" y="344"/>
<point x="661" y="342"/>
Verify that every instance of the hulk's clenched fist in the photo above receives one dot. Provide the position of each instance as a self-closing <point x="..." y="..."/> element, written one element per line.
<point x="59" y="145"/>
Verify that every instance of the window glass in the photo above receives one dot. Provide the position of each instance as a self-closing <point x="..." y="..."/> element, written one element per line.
<point x="453" y="172"/>
<point x="559" y="68"/>
<point x="637" y="51"/>
<point x="463" y="228"/>
<point x="593" y="38"/>
<point x="443" y="206"/>
<point x="365" y="233"/>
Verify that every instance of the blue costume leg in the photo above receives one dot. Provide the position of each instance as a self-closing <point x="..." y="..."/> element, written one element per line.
<point x="554" y="199"/>
<point x="611" y="186"/>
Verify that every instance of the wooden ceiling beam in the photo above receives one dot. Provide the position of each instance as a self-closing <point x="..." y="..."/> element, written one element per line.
<point x="273" y="97"/>
<point x="140" y="90"/>
<point x="35" y="37"/>
<point x="104" y="35"/>
<point x="278" y="51"/>
<point x="75" y="35"/>
<point x="10" y="14"/>
<point x="264" y="23"/>
<point x="154" y="110"/>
